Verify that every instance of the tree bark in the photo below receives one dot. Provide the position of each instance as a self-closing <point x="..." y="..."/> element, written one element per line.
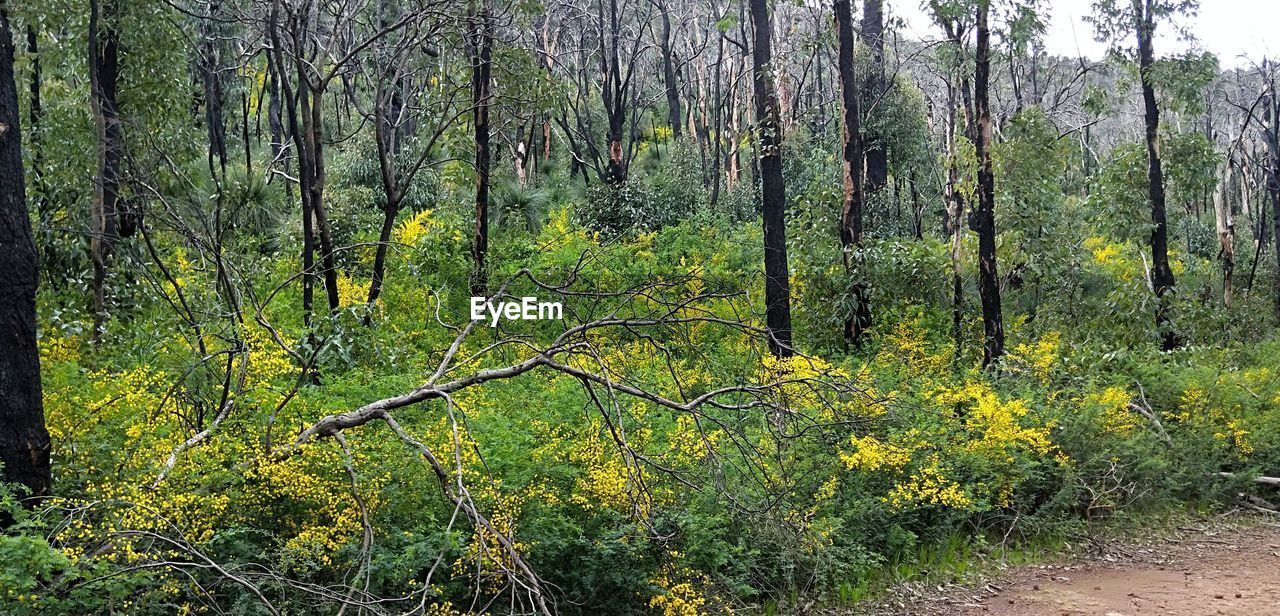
<point x="24" y="441"/>
<point x="988" y="277"/>
<point x="107" y="223"/>
<point x="481" y="66"/>
<point x="877" y="156"/>
<point x="1161" y="274"/>
<point x="290" y="99"/>
<point x="851" y="213"/>
<point x="1226" y="227"/>
<point x="209" y="60"/>
<point x="310" y="105"/>
<point x="1271" y="174"/>
<point x="36" y="113"/>
<point x="777" y="293"/>
<point x="669" y="71"/>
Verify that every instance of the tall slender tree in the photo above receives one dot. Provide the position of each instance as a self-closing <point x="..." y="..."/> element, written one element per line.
<point x="481" y="31"/>
<point x="24" y="441"/>
<point x="1116" y="22"/>
<point x="851" y="212"/>
<point x="669" y="69"/>
<point x="877" y="154"/>
<point x="773" y="195"/>
<point x="104" y="74"/>
<point x="984" y="215"/>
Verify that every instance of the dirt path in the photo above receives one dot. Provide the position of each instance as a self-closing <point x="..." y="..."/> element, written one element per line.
<point x="1233" y="570"/>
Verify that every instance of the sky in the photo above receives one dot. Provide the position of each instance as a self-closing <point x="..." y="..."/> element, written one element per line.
<point x="1228" y="28"/>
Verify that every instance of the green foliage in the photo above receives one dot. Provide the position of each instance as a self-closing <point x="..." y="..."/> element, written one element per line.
<point x="911" y="463"/>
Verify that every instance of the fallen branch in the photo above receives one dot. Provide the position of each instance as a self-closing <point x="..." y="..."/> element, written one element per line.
<point x="1260" y="479"/>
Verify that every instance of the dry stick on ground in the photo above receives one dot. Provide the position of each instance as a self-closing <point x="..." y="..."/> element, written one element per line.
<point x="1144" y="408"/>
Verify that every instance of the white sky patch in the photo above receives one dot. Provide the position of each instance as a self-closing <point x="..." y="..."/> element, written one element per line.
<point x="1239" y="32"/>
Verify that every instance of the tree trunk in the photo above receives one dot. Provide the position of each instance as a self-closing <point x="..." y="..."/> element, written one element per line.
<point x="613" y="92"/>
<point x="481" y="65"/>
<point x="209" y="60"/>
<point x="717" y="159"/>
<point x="777" y="293"/>
<point x="917" y="212"/>
<point x="104" y="72"/>
<point x="1226" y="227"/>
<point x="1271" y="175"/>
<point x="873" y="35"/>
<point x="24" y="441"/>
<point x="304" y="165"/>
<point x="669" y="71"/>
<point x="36" y="112"/>
<point x="310" y="104"/>
<point x="1161" y="274"/>
<point x="851" y="213"/>
<point x="988" y="278"/>
<point x="274" y="123"/>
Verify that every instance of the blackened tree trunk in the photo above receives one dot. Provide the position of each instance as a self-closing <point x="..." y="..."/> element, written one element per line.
<point x="717" y="159"/>
<point x="985" y="219"/>
<point x="310" y="104"/>
<point x="213" y="117"/>
<point x="873" y="34"/>
<point x="104" y="73"/>
<point x="851" y="212"/>
<point x="290" y="99"/>
<point x="314" y="130"/>
<point x="274" y="122"/>
<point x="777" y="292"/>
<point x="1271" y="137"/>
<point x="669" y="71"/>
<point x="36" y="113"/>
<point x="614" y="92"/>
<point x="24" y="441"/>
<point x="481" y="66"/>
<point x="1162" y="281"/>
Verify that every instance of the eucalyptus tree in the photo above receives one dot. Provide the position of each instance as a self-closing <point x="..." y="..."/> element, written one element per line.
<point x="953" y="17"/>
<point x="1116" y="21"/>
<point x="608" y="36"/>
<point x="109" y="223"/>
<point x="408" y="118"/>
<point x="1271" y="139"/>
<point x="480" y="41"/>
<point x="852" y="153"/>
<point x="315" y="42"/>
<point x="670" y="81"/>
<point x="984" y="219"/>
<point x="24" y="441"/>
<point x="773" y="195"/>
<point x="874" y="83"/>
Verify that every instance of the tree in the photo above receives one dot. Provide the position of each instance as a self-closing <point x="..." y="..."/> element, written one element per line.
<point x="851" y="212"/>
<point x="952" y="18"/>
<point x="877" y="154"/>
<point x="984" y="216"/>
<point x="400" y="119"/>
<point x="610" y="49"/>
<point x="24" y="441"/>
<point x="481" y="34"/>
<point x="108" y="224"/>
<point x="773" y="195"/>
<point x="1271" y="166"/>
<point x="669" y="69"/>
<point x="1115" y="22"/>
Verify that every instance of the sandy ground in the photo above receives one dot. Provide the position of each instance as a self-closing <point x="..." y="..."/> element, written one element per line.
<point x="1232" y="569"/>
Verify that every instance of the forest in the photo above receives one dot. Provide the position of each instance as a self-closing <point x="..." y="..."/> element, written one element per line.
<point x="672" y="307"/>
